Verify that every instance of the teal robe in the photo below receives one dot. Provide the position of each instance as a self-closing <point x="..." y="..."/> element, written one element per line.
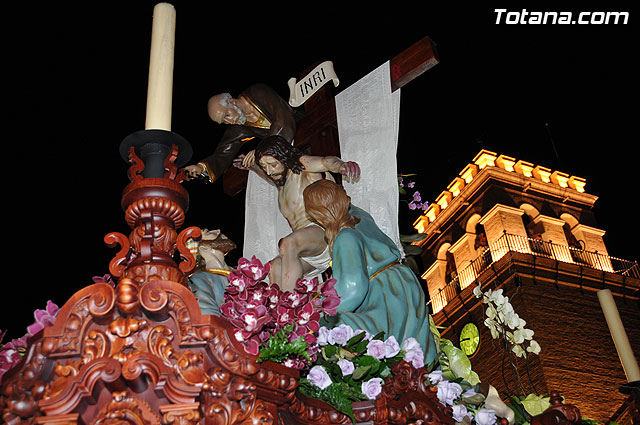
<point x="209" y="290"/>
<point x="377" y="293"/>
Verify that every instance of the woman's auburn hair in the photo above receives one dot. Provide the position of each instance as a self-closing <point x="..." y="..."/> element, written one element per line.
<point x="327" y="204"/>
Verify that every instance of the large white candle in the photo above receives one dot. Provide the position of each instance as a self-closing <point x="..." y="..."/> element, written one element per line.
<point x="160" y="89"/>
<point x="620" y="339"/>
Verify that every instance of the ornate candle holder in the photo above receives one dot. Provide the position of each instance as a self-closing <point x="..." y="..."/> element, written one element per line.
<point x="155" y="204"/>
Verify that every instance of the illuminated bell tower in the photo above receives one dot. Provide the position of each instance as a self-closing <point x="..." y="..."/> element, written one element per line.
<point x="504" y="223"/>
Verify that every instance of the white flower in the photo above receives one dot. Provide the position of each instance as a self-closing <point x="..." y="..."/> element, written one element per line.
<point x="494" y="327"/>
<point x="522" y="335"/>
<point x="518" y="350"/>
<point x="485" y="417"/>
<point x="496" y="297"/>
<point x="491" y="312"/>
<point x="533" y="347"/>
<point x="477" y="291"/>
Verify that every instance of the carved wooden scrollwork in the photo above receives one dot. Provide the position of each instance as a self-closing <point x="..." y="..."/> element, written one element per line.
<point x="232" y="400"/>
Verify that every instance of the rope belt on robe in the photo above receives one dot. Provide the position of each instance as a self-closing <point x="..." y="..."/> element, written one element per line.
<point x="388" y="266"/>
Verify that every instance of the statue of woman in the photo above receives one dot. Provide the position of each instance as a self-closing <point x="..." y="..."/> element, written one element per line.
<point x="377" y="292"/>
<point x="209" y="281"/>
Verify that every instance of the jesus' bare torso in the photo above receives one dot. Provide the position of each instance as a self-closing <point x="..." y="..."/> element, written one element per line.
<point x="305" y="245"/>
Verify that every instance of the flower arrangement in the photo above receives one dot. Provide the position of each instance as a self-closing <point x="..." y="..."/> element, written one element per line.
<point x="414" y="202"/>
<point x="352" y="365"/>
<point x="278" y="325"/>
<point x="12" y="352"/>
<point x="503" y="321"/>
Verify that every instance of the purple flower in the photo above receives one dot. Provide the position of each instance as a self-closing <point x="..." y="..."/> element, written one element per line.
<point x="391" y="346"/>
<point x="416" y="196"/>
<point x="425" y="206"/>
<point x="377" y="349"/>
<point x="411" y="184"/>
<point x="448" y="392"/>
<point x="372" y="388"/>
<point x="435" y="377"/>
<point x="485" y="417"/>
<point x="459" y="412"/>
<point x="340" y="334"/>
<point x="412" y="205"/>
<point x="323" y="336"/>
<point x="43" y="318"/>
<point x="104" y="279"/>
<point x="413" y="352"/>
<point x="346" y="367"/>
<point x="319" y="377"/>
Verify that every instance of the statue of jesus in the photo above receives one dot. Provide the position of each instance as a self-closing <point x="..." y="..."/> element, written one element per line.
<point x="304" y="251"/>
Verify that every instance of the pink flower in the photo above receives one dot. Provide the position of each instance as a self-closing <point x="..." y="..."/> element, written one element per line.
<point x="44" y="318"/>
<point x="319" y="377"/>
<point x="238" y="282"/>
<point x="308" y="317"/>
<point x="254" y="269"/>
<point x="376" y="349"/>
<point x="372" y="388"/>
<point x="307" y="285"/>
<point x="10" y="354"/>
<point x="107" y="278"/>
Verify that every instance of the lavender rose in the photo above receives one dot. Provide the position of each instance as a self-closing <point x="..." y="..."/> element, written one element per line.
<point x="376" y="348"/>
<point x="486" y="417"/>
<point x="448" y="392"/>
<point x="372" y="388"/>
<point x="413" y="352"/>
<point x="340" y="334"/>
<point x="346" y="367"/>
<point x="391" y="346"/>
<point x="323" y="336"/>
<point x="319" y="377"/>
<point x="435" y="377"/>
<point x="459" y="412"/>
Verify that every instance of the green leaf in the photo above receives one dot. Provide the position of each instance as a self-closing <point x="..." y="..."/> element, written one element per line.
<point x="360" y="371"/>
<point x="329" y="351"/>
<point x="379" y="335"/>
<point x="355" y="340"/>
<point x="417" y="237"/>
<point x="339" y="395"/>
<point x="412" y="250"/>
<point x="535" y="405"/>
<point x="459" y="365"/>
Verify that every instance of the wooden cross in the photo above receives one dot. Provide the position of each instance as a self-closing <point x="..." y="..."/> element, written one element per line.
<point x="317" y="132"/>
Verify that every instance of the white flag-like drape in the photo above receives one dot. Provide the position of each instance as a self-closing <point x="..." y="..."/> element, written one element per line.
<point x="368" y="121"/>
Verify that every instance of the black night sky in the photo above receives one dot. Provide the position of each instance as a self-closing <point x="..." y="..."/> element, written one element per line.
<point x="78" y="79"/>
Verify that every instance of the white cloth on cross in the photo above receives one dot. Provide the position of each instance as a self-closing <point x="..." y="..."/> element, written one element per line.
<point x="368" y="121"/>
<point x="368" y="116"/>
<point x="264" y="225"/>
